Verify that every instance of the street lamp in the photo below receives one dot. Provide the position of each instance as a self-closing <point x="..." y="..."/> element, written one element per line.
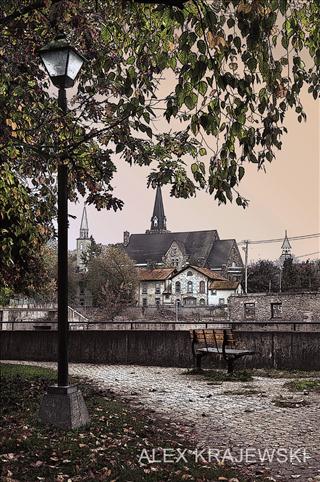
<point x="63" y="405"/>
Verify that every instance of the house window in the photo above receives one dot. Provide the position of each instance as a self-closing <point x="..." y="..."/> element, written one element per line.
<point x="221" y="301"/>
<point x="276" y="310"/>
<point x="157" y="288"/>
<point x="189" y="273"/>
<point x="144" y="287"/>
<point x="144" y="302"/>
<point x="202" y="301"/>
<point x="190" y="287"/>
<point x="167" y="297"/>
<point x="190" y="301"/>
<point x="157" y="302"/>
<point x="178" y="286"/>
<point x="249" y="311"/>
<point x="213" y="292"/>
<point x="202" y="287"/>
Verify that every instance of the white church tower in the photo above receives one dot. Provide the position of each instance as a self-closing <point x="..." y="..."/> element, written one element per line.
<point x="83" y="242"/>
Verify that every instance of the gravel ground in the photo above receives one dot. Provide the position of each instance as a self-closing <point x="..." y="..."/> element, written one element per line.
<point x="232" y="419"/>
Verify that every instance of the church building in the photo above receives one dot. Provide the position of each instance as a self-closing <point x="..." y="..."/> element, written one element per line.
<point x="83" y="295"/>
<point x="158" y="247"/>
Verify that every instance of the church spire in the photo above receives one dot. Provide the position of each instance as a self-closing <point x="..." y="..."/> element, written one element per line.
<point x="84" y="229"/>
<point x="158" y="220"/>
<point x="286" y="248"/>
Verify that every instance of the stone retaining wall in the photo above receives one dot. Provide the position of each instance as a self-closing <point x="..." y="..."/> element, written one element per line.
<point x="283" y="350"/>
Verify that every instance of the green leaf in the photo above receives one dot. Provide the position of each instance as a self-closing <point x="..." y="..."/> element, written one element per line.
<point x="194" y="168"/>
<point x="202" y="87"/>
<point x="191" y="101"/>
<point x="202" y="46"/>
<point x="202" y="151"/>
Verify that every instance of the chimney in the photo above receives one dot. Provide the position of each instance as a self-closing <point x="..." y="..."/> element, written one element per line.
<point x="126" y="238"/>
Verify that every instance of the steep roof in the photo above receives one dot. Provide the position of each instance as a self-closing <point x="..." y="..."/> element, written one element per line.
<point x="205" y="271"/>
<point x="220" y="252"/>
<point x="144" y="248"/>
<point x="155" y="274"/>
<point x="158" y="220"/>
<point x="223" y="285"/>
<point x="84" y="228"/>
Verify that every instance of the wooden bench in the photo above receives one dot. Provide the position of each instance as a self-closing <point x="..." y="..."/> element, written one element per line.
<point x="220" y="341"/>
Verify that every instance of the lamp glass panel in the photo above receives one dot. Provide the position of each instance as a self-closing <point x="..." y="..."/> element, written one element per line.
<point x="74" y="64"/>
<point x="55" y="62"/>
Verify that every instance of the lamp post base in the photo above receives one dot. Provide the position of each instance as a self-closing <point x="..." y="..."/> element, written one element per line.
<point x="64" y="407"/>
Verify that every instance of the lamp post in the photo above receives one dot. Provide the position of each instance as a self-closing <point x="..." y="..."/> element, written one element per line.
<point x="63" y="405"/>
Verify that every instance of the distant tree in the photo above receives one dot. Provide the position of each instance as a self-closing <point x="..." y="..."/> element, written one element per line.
<point x="73" y="278"/>
<point x="93" y="251"/>
<point x="112" y="280"/>
<point x="290" y="276"/>
<point x="301" y="276"/>
<point x="262" y="276"/>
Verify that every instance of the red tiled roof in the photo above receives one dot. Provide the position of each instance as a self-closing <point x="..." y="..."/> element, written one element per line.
<point x="155" y="274"/>
<point x="210" y="274"/>
<point x="223" y="285"/>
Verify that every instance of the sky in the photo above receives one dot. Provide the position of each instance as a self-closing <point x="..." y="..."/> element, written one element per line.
<point x="286" y="197"/>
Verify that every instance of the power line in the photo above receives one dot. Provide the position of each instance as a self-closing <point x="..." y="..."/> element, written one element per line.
<point x="278" y="240"/>
<point x="309" y="254"/>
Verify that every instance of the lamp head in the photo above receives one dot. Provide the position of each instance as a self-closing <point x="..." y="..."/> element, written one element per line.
<point x="62" y="62"/>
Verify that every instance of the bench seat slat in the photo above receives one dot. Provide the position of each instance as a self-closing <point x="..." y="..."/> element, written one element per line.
<point x="228" y="351"/>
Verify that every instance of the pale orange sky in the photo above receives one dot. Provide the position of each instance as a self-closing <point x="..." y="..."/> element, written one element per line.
<point x="286" y="197"/>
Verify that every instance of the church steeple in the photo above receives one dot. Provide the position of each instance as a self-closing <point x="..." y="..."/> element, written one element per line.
<point x="158" y="220"/>
<point x="84" y="229"/>
<point x="286" y="248"/>
<point x="83" y="242"/>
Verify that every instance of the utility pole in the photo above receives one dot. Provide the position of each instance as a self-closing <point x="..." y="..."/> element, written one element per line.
<point x="245" y="248"/>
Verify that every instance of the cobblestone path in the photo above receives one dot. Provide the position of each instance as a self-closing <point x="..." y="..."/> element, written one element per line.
<point x="237" y="416"/>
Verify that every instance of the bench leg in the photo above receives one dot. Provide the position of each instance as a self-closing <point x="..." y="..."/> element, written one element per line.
<point x="197" y="360"/>
<point x="230" y="362"/>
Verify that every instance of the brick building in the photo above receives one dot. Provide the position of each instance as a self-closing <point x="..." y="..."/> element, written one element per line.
<point x="275" y="307"/>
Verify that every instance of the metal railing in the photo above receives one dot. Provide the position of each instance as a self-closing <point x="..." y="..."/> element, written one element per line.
<point x="131" y="325"/>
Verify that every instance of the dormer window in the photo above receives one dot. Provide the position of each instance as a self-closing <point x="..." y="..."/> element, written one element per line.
<point x="189" y="273"/>
<point x="155" y="221"/>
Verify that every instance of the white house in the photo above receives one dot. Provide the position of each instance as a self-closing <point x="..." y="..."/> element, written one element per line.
<point x="190" y="286"/>
<point x="220" y="290"/>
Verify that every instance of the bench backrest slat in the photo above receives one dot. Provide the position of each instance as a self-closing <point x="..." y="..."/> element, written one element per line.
<point x="213" y="337"/>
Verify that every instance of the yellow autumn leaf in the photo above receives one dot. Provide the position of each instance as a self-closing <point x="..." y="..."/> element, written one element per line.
<point x="215" y="40"/>
<point x="244" y="8"/>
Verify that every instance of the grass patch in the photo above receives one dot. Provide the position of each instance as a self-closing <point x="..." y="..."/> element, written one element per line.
<point x="273" y="373"/>
<point x="107" y="449"/>
<point x="301" y="385"/>
<point x="26" y="371"/>
<point x="220" y="376"/>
